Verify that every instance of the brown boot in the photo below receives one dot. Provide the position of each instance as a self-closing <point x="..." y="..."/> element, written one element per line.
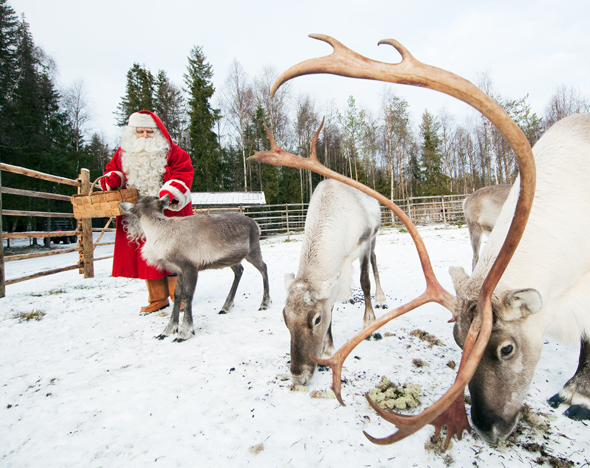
<point x="172" y="280"/>
<point x="157" y="296"/>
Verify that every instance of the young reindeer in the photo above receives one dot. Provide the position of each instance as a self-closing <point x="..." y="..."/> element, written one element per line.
<point x="195" y="243"/>
<point x="482" y="209"/>
<point x="341" y="226"/>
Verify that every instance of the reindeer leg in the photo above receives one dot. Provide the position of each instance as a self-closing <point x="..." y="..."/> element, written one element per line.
<point x="255" y="258"/>
<point x="379" y="294"/>
<point x="369" y="317"/>
<point x="475" y="232"/>
<point x="188" y="284"/>
<point x="576" y="391"/>
<point x="172" y="326"/>
<point x="229" y="302"/>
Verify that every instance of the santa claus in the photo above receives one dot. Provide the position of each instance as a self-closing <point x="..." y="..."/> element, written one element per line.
<point x="149" y="161"/>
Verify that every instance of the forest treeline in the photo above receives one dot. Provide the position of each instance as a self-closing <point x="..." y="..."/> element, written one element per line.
<point x="45" y="128"/>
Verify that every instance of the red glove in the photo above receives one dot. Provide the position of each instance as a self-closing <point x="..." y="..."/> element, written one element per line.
<point x="113" y="180"/>
<point x="166" y="192"/>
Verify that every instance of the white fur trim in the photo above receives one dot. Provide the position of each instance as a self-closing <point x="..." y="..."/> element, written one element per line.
<point x="141" y="120"/>
<point x="183" y="196"/>
<point x="121" y="175"/>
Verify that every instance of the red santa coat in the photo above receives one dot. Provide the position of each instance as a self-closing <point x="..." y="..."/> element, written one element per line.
<point x="178" y="179"/>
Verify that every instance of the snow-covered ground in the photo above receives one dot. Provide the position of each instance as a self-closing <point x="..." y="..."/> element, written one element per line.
<point x="88" y="385"/>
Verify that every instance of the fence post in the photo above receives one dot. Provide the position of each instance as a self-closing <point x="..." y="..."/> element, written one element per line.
<point x="2" y="278"/>
<point x="287" y="215"/>
<point x="444" y="210"/>
<point x="85" y="225"/>
<point x="409" y="209"/>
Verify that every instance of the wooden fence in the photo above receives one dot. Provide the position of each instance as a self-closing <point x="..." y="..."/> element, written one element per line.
<point x="272" y="219"/>
<point x="290" y="218"/>
<point x="84" y="230"/>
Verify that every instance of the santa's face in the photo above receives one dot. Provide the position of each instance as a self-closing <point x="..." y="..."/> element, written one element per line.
<point x="144" y="132"/>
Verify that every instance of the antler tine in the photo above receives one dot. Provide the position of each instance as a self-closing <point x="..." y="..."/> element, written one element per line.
<point x="273" y="144"/>
<point x="313" y="154"/>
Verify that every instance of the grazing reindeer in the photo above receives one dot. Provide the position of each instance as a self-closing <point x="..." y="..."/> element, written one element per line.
<point x="194" y="243"/>
<point x="482" y="209"/>
<point x="546" y="287"/>
<point x="341" y="226"/>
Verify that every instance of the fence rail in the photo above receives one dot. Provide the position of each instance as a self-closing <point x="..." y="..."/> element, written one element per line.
<point x="290" y="218"/>
<point x="84" y="230"/>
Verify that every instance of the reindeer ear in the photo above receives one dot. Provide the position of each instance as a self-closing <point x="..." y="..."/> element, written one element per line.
<point x="325" y="288"/>
<point x="126" y="207"/>
<point x="289" y="279"/>
<point x="520" y="303"/>
<point x="459" y="277"/>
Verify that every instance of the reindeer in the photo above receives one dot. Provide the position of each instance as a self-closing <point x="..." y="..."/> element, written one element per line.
<point x="341" y="226"/>
<point x="190" y="244"/>
<point x="546" y="289"/>
<point x="482" y="209"/>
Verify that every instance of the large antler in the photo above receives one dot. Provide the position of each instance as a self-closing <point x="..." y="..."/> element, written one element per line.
<point x="345" y="62"/>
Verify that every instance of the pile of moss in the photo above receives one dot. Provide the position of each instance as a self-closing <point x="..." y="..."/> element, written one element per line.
<point x="388" y="395"/>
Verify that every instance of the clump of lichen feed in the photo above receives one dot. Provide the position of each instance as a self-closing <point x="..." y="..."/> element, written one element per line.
<point x="536" y="421"/>
<point x="425" y="336"/>
<point x="388" y="395"/>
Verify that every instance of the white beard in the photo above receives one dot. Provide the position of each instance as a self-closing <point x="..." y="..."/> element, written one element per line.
<point x="144" y="161"/>
<point x="144" y="165"/>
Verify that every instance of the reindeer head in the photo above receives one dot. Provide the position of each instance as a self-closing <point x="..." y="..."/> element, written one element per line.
<point x="501" y="380"/>
<point x="308" y="318"/>
<point x="147" y="206"/>
<point x="449" y="411"/>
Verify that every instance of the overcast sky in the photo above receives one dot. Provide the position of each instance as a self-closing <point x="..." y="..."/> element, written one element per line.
<point x="526" y="47"/>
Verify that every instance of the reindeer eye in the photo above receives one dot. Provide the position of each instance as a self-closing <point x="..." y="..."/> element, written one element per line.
<point x="506" y="351"/>
<point x="318" y="320"/>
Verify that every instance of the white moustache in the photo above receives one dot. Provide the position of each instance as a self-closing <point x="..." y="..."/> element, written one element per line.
<point x="149" y="145"/>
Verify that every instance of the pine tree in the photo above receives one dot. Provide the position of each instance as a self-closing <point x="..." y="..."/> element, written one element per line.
<point x="100" y="154"/>
<point x="36" y="134"/>
<point x="266" y="176"/>
<point x="139" y="93"/>
<point x="169" y="105"/>
<point x="9" y="75"/>
<point x="434" y="180"/>
<point x="204" y="146"/>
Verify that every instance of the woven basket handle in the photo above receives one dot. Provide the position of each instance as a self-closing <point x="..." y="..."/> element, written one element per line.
<point x="95" y="184"/>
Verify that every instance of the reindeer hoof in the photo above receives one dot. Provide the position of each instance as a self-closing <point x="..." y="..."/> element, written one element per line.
<point x="222" y="312"/>
<point x="577" y="413"/>
<point x="178" y="340"/>
<point x="374" y="337"/>
<point x="160" y="337"/>
<point x="555" y="401"/>
<point x="322" y="368"/>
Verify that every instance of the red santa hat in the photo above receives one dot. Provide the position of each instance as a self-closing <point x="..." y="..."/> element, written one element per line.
<point x="141" y="119"/>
